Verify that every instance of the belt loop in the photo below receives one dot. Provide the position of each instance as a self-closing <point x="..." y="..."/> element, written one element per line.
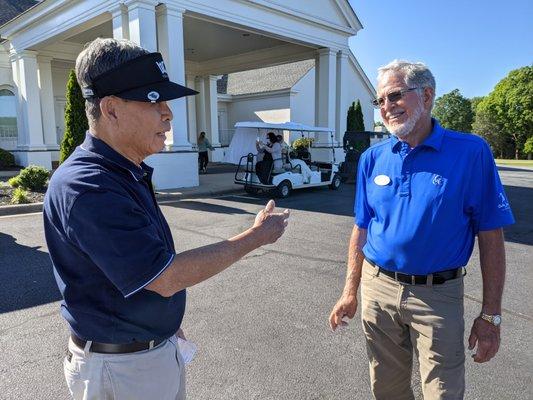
<point x="429" y="280"/>
<point x="151" y="345"/>
<point x="87" y="348"/>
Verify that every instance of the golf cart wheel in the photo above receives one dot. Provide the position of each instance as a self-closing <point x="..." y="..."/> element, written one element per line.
<point x="335" y="183"/>
<point x="284" y="189"/>
<point x="251" y="190"/>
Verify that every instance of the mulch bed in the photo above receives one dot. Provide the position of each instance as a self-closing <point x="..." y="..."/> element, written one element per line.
<point x="6" y="191"/>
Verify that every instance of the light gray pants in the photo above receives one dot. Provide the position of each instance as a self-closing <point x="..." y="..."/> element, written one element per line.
<point x="158" y="373"/>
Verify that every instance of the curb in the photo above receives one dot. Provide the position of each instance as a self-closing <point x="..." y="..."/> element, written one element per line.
<point x="21" y="209"/>
<point x="38" y="207"/>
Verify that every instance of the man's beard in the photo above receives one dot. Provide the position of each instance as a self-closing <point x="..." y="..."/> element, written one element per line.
<point x="403" y="130"/>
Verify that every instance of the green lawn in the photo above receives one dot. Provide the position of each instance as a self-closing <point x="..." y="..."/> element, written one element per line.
<point x="522" y="163"/>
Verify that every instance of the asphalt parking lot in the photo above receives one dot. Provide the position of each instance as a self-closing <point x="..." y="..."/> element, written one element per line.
<point x="261" y="326"/>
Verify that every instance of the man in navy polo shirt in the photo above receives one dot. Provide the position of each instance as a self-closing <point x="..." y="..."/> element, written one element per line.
<point x="113" y="254"/>
<point x="421" y="199"/>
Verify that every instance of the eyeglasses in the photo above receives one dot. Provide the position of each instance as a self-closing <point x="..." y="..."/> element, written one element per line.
<point x="393" y="97"/>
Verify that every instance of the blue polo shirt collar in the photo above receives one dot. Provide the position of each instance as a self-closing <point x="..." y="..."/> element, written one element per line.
<point x="434" y="140"/>
<point x="102" y="149"/>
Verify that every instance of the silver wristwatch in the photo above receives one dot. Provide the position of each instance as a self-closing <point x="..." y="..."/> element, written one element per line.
<point x="495" y="319"/>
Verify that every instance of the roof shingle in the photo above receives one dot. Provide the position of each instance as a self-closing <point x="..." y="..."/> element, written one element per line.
<point x="9" y="9"/>
<point x="266" y="79"/>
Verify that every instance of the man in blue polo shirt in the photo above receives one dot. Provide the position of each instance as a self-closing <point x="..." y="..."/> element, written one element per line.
<point x="421" y="199"/>
<point x="113" y="255"/>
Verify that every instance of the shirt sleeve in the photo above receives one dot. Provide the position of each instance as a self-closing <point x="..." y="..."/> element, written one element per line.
<point x="492" y="209"/>
<point x="363" y="212"/>
<point x="120" y="238"/>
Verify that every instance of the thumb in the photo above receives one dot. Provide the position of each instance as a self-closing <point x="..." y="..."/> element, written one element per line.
<point x="472" y="340"/>
<point x="270" y="206"/>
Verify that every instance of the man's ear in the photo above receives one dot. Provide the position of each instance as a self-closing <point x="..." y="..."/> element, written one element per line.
<point x="108" y="109"/>
<point x="429" y="95"/>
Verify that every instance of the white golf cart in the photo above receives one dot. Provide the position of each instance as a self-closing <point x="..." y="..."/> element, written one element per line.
<point x="317" y="168"/>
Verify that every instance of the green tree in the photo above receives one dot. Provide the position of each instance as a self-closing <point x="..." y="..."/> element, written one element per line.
<point x="454" y="111"/>
<point x="350" y="118"/>
<point x="75" y="119"/>
<point x="528" y="147"/>
<point x="359" y="120"/>
<point x="509" y="108"/>
<point x="354" y="118"/>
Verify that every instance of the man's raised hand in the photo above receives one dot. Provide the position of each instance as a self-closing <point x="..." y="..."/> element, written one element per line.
<point x="270" y="225"/>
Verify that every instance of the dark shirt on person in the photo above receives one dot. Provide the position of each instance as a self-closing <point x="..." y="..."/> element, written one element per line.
<point x="107" y="240"/>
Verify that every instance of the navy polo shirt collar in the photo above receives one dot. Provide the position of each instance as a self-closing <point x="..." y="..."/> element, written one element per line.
<point x="102" y="149"/>
<point x="434" y="140"/>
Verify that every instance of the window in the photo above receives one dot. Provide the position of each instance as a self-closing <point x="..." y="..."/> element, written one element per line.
<point x="8" y="115"/>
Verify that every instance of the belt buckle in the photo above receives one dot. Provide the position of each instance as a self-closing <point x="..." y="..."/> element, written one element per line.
<point x="413" y="280"/>
<point x="151" y="344"/>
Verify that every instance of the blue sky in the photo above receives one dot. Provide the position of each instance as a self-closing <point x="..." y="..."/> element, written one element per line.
<point x="468" y="44"/>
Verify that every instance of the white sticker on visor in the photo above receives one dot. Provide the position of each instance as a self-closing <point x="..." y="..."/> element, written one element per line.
<point x="153" y="96"/>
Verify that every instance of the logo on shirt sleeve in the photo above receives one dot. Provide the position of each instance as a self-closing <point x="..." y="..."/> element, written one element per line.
<point x="503" y="203"/>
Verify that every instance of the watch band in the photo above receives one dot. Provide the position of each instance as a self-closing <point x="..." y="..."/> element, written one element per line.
<point x="495" y="319"/>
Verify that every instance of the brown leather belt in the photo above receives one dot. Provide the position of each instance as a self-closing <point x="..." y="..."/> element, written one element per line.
<point x="438" y="277"/>
<point x="111" y="348"/>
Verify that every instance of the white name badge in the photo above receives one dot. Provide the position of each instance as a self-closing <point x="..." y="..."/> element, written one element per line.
<point x="382" y="180"/>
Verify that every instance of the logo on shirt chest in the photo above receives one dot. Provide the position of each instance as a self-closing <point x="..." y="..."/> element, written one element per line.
<point x="437" y="180"/>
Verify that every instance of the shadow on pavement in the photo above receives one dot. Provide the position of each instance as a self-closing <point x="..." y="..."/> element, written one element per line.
<point x="206" y="207"/>
<point x="521" y="200"/>
<point x="26" y="276"/>
<point x="318" y="199"/>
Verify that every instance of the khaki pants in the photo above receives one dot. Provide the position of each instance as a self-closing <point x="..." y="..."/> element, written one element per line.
<point x="151" y="374"/>
<point x="399" y="318"/>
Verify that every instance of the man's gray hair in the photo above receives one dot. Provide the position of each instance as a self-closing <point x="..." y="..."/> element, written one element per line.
<point x="415" y="74"/>
<point x="99" y="56"/>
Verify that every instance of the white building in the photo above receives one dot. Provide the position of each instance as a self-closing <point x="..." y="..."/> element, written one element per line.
<point x="200" y="41"/>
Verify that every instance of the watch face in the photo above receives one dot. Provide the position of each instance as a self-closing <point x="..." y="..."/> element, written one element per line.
<point x="497" y="320"/>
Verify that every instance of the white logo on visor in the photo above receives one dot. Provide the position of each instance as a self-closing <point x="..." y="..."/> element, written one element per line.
<point x="382" y="180"/>
<point x="162" y="67"/>
<point x="153" y="96"/>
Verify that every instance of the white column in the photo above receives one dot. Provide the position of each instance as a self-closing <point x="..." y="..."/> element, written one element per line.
<point x="211" y="110"/>
<point x="171" y="46"/>
<point x="28" y="86"/>
<point x="340" y="104"/>
<point x="121" y="29"/>
<point x="142" y="28"/>
<point x="47" y="102"/>
<point x="201" y="120"/>
<point x="21" y="134"/>
<point x="327" y="84"/>
<point x="191" y="110"/>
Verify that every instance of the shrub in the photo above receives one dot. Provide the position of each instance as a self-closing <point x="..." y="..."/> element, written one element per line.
<point x="14" y="182"/>
<point x="33" y="177"/>
<point x="302" y="143"/>
<point x="6" y="158"/>
<point x="19" y="196"/>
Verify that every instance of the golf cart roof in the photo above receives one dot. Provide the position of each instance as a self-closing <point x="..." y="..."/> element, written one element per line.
<point x="286" y="126"/>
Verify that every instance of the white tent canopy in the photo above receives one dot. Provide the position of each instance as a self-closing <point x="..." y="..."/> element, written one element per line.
<point x="246" y="133"/>
<point x="286" y="126"/>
